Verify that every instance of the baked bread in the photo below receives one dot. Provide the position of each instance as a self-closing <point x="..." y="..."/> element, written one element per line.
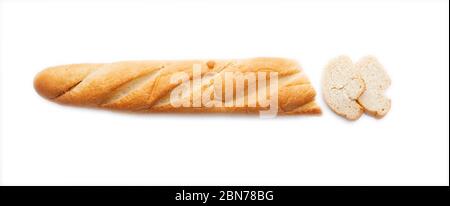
<point x="342" y="86"/>
<point x="377" y="81"/>
<point x="352" y="89"/>
<point x="148" y="86"/>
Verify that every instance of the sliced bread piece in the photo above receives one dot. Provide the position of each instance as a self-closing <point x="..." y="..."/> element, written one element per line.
<point x="377" y="81"/>
<point x="342" y="86"/>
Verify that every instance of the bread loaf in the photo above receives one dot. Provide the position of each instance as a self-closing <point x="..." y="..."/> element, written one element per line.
<point x="148" y="86"/>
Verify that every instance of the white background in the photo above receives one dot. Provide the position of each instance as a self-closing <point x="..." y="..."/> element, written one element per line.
<point x="43" y="143"/>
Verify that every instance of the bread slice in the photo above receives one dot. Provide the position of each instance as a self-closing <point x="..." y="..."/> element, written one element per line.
<point x="377" y="81"/>
<point x="342" y="86"/>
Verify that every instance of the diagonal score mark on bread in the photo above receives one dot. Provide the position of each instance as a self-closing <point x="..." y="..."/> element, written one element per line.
<point x="128" y="89"/>
<point x="146" y="86"/>
<point x="54" y="82"/>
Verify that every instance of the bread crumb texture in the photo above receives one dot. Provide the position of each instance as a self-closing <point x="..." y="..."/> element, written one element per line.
<point x="351" y="89"/>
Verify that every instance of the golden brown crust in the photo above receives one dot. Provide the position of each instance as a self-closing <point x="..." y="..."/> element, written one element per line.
<point x="146" y="86"/>
<point x="55" y="81"/>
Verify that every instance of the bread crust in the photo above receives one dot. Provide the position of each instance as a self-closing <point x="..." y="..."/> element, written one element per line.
<point x="145" y="86"/>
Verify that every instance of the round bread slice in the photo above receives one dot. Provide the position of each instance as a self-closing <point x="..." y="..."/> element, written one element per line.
<point x="377" y="81"/>
<point x="342" y="86"/>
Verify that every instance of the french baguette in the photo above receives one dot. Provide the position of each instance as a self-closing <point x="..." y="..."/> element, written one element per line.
<point x="146" y="86"/>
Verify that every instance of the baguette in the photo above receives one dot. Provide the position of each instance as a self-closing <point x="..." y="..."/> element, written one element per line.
<point x="147" y="86"/>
